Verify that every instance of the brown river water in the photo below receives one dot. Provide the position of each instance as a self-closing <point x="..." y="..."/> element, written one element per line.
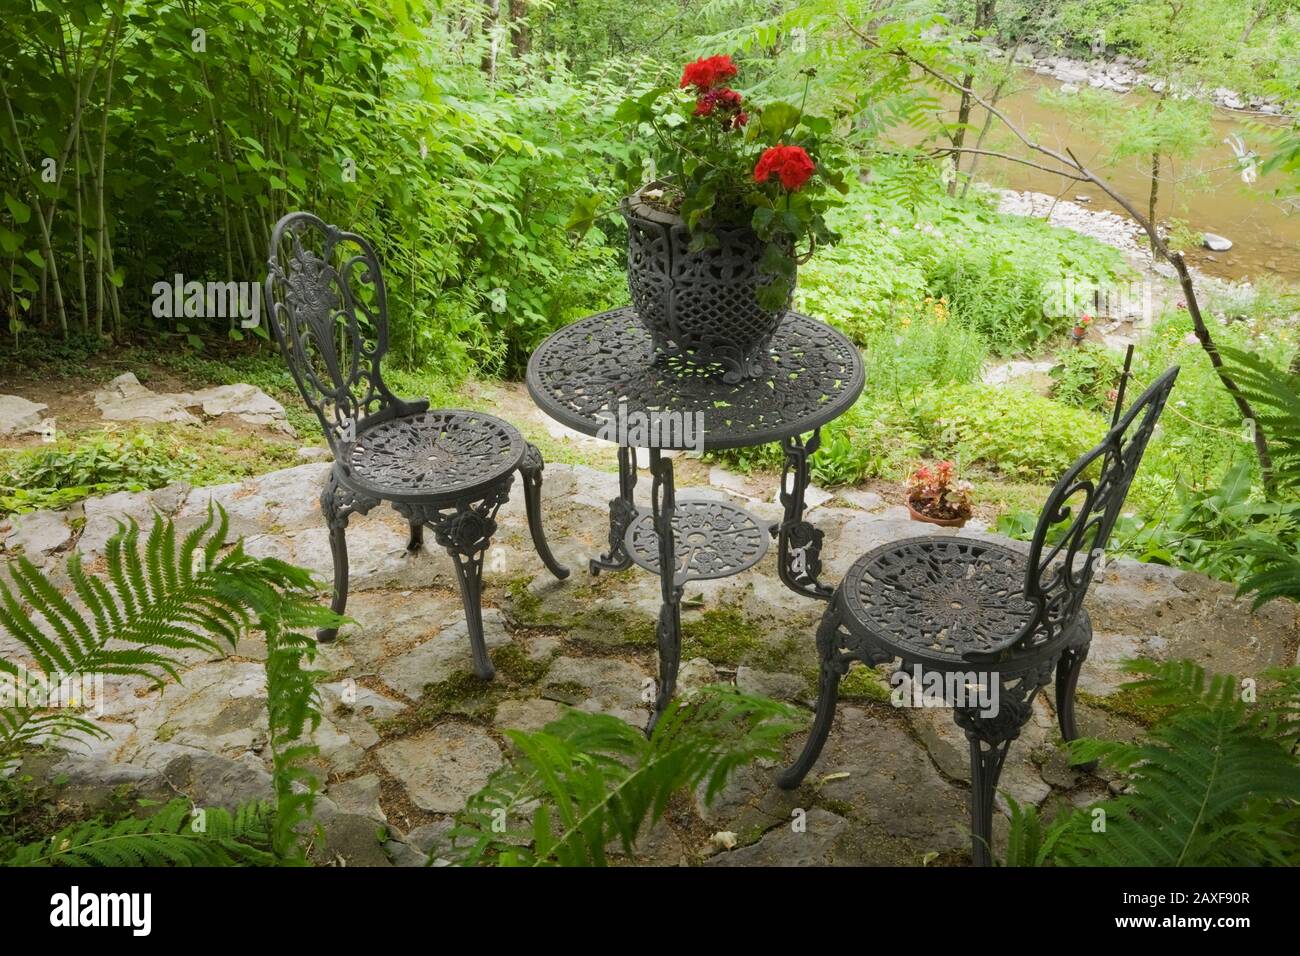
<point x="1205" y="191"/>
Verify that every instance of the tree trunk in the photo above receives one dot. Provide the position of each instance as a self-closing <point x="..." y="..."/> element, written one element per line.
<point x="491" y="19"/>
<point x="1154" y="196"/>
<point x="983" y="17"/>
<point x="521" y="35"/>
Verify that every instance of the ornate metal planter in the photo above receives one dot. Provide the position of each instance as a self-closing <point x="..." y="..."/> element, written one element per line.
<point x="699" y="307"/>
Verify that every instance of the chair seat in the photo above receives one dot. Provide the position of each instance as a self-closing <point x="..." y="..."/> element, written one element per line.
<point x="938" y="599"/>
<point x="436" y="454"/>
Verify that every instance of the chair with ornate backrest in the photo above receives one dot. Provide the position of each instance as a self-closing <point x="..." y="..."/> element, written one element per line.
<point x="448" y="469"/>
<point x="994" y="622"/>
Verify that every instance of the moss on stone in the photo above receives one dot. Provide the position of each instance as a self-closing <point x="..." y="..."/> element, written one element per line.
<point x="1129" y="704"/>
<point x="466" y="695"/>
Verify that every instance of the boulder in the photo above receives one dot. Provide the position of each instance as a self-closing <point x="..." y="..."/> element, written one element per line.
<point x="18" y="415"/>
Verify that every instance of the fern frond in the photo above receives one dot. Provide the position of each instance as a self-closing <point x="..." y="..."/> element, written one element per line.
<point x="598" y="781"/>
<point x="1216" y="783"/>
<point x="175" y="836"/>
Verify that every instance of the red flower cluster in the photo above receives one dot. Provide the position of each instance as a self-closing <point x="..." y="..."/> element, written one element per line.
<point x="791" y="163"/>
<point x="707" y="72"/>
<point x="725" y="102"/>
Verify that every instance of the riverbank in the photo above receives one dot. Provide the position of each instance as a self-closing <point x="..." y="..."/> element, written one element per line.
<point x="1123" y="74"/>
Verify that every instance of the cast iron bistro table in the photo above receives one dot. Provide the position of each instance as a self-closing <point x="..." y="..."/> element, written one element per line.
<point x="600" y="372"/>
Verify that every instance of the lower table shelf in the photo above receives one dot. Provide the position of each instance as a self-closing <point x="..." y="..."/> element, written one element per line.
<point x="711" y="539"/>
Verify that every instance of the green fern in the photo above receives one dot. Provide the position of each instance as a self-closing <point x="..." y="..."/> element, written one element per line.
<point x="592" y="780"/>
<point x="177" y="835"/>
<point x="1275" y="396"/>
<point x="1217" y="783"/>
<point x="159" y="601"/>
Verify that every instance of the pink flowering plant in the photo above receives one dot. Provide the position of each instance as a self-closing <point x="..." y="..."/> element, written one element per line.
<point x="722" y="160"/>
<point x="937" y="492"/>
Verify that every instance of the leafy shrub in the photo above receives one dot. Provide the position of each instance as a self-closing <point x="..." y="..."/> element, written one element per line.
<point x="994" y="271"/>
<point x="1012" y="430"/>
<point x="56" y="477"/>
<point x="1085" y="377"/>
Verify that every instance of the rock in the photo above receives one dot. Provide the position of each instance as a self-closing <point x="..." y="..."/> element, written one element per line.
<point x="403" y="854"/>
<point x="695" y="674"/>
<point x="1216" y="243"/>
<point x="360" y="795"/>
<point x="18" y="415"/>
<point x="104" y="514"/>
<point x="248" y="402"/>
<point x="443" y="767"/>
<point x="777" y="686"/>
<point x="866" y="500"/>
<point x="213" y="781"/>
<point x="729" y="481"/>
<point x="314" y="453"/>
<point x="890" y="783"/>
<point x="437" y="659"/>
<point x="1069" y="88"/>
<point x="1083" y="199"/>
<point x="813" y="497"/>
<point x="527" y="715"/>
<point x="351" y="840"/>
<point x="39" y="533"/>
<point x="283" y="500"/>
<point x="783" y="846"/>
<point x="220" y="708"/>
<point x="600" y="685"/>
<point x="125" y="399"/>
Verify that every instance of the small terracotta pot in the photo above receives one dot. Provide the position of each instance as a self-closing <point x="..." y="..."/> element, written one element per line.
<point x="941" y="522"/>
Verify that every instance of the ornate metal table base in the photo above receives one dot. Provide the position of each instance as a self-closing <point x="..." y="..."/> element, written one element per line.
<point x="702" y="539"/>
<point x="606" y="370"/>
<point x="711" y="539"/>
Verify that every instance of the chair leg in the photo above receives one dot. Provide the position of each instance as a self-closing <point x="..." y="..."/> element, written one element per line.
<point x="465" y="530"/>
<point x="828" y="688"/>
<point x="531" y="470"/>
<point x="986" y="760"/>
<point x="469" y="572"/>
<point x="337" y="503"/>
<point x="1067" y="680"/>
<point x="339" y="602"/>
<point x="990" y="738"/>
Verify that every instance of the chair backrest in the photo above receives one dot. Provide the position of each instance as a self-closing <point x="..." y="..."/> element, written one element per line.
<point x="1058" y="575"/>
<point x="328" y="310"/>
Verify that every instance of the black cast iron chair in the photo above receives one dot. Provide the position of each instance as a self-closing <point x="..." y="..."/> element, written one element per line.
<point x="448" y="469"/>
<point x="1001" y="620"/>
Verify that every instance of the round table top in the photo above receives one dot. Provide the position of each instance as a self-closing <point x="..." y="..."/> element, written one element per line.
<point x="597" y="376"/>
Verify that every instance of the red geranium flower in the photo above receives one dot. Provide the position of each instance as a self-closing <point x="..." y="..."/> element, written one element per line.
<point x="707" y="72"/>
<point x="723" y="99"/>
<point x="791" y="163"/>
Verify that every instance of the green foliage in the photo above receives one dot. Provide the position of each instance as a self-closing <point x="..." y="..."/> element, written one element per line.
<point x="995" y="273"/>
<point x="176" y="835"/>
<point x="587" y="780"/>
<point x="1086" y="376"/>
<point x="157" y="603"/>
<point x="1215" y="784"/>
<point x="98" y="465"/>
<point x="1015" y="431"/>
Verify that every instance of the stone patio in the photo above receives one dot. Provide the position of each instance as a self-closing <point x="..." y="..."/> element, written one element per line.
<point x="408" y="735"/>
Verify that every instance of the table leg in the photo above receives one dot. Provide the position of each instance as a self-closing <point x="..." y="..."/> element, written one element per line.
<point x="799" y="543"/>
<point x="668" y="633"/>
<point x="622" y="512"/>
